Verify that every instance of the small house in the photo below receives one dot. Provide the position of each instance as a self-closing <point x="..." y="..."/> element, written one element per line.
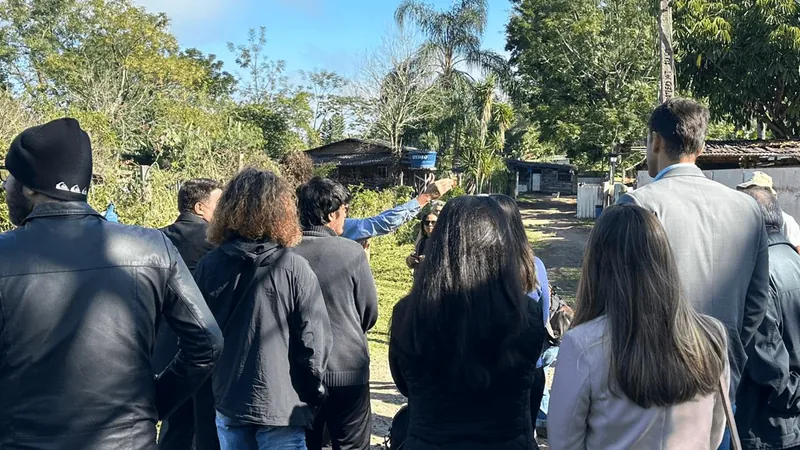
<point x="373" y="163"/>
<point x="550" y="178"/>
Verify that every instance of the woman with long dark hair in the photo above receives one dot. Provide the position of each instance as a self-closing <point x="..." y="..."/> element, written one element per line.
<point x="534" y="279"/>
<point x="428" y="224"/>
<point x="464" y="343"/>
<point x="640" y="368"/>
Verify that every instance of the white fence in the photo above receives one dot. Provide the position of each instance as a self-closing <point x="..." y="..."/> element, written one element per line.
<point x="589" y="196"/>
<point x="786" y="179"/>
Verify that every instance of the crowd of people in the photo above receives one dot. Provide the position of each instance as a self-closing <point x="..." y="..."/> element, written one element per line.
<point x="243" y="325"/>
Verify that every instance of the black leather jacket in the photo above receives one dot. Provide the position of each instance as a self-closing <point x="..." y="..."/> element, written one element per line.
<point x="79" y="300"/>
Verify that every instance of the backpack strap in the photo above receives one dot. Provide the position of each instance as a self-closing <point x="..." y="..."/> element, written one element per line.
<point x="245" y="279"/>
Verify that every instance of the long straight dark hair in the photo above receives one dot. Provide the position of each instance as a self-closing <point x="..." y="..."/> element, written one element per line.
<point x="467" y="307"/>
<point x="522" y="246"/>
<point x="662" y="352"/>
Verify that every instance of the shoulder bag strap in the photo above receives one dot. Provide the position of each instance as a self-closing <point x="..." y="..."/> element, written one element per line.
<point x="245" y="279"/>
<point x="736" y="444"/>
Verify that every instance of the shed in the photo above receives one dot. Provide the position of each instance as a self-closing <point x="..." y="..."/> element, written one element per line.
<point x="370" y="162"/>
<point x="533" y="176"/>
<point x="749" y="154"/>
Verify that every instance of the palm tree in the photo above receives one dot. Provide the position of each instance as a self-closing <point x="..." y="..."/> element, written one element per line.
<point x="452" y="38"/>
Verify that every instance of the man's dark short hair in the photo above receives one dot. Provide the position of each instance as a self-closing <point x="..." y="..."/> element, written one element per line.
<point x="682" y="124"/>
<point x="195" y="191"/>
<point x="770" y="207"/>
<point x="318" y="198"/>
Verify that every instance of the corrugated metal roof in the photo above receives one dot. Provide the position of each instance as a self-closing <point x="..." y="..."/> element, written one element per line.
<point x="753" y="148"/>
<point x="356" y="159"/>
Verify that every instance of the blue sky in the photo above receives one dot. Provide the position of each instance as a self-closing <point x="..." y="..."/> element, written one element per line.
<point x="307" y="34"/>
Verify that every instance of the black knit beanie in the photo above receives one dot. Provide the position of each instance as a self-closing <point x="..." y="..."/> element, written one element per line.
<point x="54" y="159"/>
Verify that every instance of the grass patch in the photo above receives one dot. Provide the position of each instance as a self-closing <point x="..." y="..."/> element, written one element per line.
<point x="393" y="280"/>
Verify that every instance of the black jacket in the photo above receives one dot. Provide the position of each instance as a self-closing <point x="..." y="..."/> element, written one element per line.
<point x="79" y="302"/>
<point x="350" y="296"/>
<point x="497" y="418"/>
<point x="277" y="328"/>
<point x="188" y="235"/>
<point x="768" y="401"/>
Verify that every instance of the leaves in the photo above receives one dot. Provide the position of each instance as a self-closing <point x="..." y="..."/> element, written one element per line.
<point x="744" y="56"/>
<point x="586" y="74"/>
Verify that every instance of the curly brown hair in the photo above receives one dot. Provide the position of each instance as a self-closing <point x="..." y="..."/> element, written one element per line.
<point x="256" y="205"/>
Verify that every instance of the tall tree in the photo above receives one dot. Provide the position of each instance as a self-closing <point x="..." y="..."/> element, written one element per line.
<point x="396" y="90"/>
<point x="744" y="56"/>
<point x="265" y="79"/>
<point x="333" y="129"/>
<point x="587" y="69"/>
<point x="452" y="37"/>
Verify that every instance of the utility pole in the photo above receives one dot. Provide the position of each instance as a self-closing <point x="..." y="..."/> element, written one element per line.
<point x="667" y="58"/>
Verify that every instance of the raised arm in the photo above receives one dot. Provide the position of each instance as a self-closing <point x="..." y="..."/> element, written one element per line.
<point x="199" y="338"/>
<point x="390" y="220"/>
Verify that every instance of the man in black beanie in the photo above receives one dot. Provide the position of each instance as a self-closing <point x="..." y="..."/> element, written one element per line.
<point x="79" y="301"/>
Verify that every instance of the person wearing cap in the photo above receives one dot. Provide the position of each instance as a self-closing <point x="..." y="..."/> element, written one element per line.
<point x="790" y="227"/>
<point x="79" y="301"/>
<point x="717" y="234"/>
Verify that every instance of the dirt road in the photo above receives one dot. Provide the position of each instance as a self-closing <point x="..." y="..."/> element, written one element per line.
<point x="559" y="240"/>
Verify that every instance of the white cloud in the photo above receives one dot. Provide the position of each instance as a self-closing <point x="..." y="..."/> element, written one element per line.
<point x="185" y="10"/>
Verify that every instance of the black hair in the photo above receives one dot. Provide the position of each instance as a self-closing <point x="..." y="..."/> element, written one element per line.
<point x="521" y="246"/>
<point x="318" y="198"/>
<point x="770" y="207"/>
<point x="466" y="311"/>
<point x="195" y="191"/>
<point x="682" y="124"/>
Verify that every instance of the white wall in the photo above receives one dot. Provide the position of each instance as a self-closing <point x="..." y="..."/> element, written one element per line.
<point x="786" y="180"/>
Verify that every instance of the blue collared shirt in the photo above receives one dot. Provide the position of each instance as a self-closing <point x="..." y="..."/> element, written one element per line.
<point x="382" y="224"/>
<point x="670" y="167"/>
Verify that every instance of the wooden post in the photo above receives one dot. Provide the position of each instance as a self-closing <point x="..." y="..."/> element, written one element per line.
<point x="667" y="59"/>
<point x="516" y="183"/>
<point x="241" y="161"/>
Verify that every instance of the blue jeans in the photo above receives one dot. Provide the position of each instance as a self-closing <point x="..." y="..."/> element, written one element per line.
<point x="548" y="359"/>
<point x="234" y="435"/>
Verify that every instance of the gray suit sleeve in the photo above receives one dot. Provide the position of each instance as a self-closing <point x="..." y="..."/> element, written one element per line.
<point x="757" y="299"/>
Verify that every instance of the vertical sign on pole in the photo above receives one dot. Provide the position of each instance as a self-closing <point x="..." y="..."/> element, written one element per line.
<point x="667" y="56"/>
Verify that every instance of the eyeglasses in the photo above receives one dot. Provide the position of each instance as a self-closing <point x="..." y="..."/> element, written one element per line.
<point x="429" y="222"/>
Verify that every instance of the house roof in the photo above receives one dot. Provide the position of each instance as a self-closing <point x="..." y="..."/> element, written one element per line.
<point x="737" y="149"/>
<point x="539" y="165"/>
<point x="774" y="148"/>
<point x="356" y="159"/>
<point x="367" y="145"/>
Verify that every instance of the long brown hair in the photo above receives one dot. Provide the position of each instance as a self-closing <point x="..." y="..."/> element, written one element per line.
<point x="256" y="205"/>
<point x="660" y="352"/>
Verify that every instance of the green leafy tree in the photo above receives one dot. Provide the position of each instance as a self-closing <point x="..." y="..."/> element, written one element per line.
<point x="217" y="82"/>
<point x="743" y="55"/>
<point x="587" y="71"/>
<point x="333" y="129"/>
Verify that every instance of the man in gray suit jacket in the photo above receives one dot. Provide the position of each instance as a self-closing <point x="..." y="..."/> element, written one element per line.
<point x="717" y="234"/>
